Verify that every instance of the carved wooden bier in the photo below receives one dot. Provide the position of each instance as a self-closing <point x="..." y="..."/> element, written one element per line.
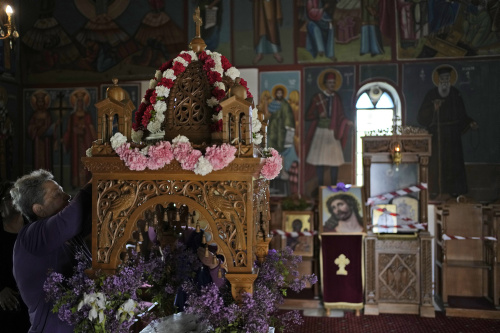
<point x="232" y="204"/>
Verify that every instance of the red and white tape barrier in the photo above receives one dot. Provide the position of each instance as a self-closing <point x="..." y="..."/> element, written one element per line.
<point x="398" y="193"/>
<point x="293" y="234"/>
<point x="448" y="237"/>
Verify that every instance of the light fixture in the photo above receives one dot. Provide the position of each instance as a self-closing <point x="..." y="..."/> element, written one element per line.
<point x="396" y="152"/>
<point x="9" y="27"/>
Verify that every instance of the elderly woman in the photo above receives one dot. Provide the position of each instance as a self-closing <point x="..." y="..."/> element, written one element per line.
<point x="13" y="311"/>
<point x="48" y="242"/>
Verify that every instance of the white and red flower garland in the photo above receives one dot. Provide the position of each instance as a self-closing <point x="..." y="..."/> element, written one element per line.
<point x="150" y="114"/>
<point x="156" y="156"/>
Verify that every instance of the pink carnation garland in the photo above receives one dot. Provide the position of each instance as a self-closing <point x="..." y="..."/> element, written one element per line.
<point x="162" y="153"/>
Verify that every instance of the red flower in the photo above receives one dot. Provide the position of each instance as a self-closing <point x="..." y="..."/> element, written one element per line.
<point x="218" y="93"/>
<point x="148" y="94"/>
<point x="152" y="99"/>
<point x="147" y="116"/>
<point x="169" y="83"/>
<point x="166" y="65"/>
<point x="245" y="84"/>
<point x="138" y="117"/>
<point x="178" y="68"/>
<point x="209" y="63"/>
<point x="203" y="56"/>
<point x="217" y="109"/>
<point x="225" y="63"/>
<point x="217" y="127"/>
<point x="213" y="77"/>
<point x="186" y="57"/>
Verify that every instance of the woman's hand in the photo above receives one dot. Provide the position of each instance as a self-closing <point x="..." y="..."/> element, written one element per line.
<point x="8" y="299"/>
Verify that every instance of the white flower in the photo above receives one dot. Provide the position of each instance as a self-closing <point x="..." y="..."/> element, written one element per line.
<point x="217" y="117"/>
<point x="88" y="152"/>
<point x="179" y="139"/>
<point x="160" y="106"/>
<point x="162" y="91"/>
<point x="117" y="140"/>
<point x="233" y="73"/>
<point x="203" y="166"/>
<point x="145" y="150"/>
<point x="169" y="74"/>
<point x="181" y="60"/>
<point x="256" y="124"/>
<point x="218" y="68"/>
<point x="152" y="83"/>
<point x="220" y="85"/>
<point x="208" y="52"/>
<point x="158" y="75"/>
<point x="143" y="100"/>
<point x="212" y="102"/>
<point x="160" y="117"/>
<point x="126" y="309"/>
<point x="257" y="138"/>
<point x="97" y="302"/>
<point x="137" y="136"/>
<point x="154" y="126"/>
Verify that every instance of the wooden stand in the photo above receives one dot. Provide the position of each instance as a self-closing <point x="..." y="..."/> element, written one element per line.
<point x="398" y="266"/>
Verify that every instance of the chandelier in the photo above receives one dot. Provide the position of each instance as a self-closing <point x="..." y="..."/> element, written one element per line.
<point x="8" y="30"/>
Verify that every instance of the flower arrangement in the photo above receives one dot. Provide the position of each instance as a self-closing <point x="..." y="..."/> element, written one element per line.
<point x="150" y="114"/>
<point x="104" y="304"/>
<point x="162" y="153"/>
<point x="277" y="274"/>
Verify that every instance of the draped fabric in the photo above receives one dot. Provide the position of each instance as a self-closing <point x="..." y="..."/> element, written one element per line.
<point x="342" y="291"/>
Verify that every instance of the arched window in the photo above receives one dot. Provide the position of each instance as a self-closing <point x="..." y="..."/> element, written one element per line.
<point x="377" y="107"/>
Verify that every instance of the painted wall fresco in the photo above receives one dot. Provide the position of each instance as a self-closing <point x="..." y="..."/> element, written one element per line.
<point x="346" y="30"/>
<point x="60" y="126"/>
<point x="280" y="98"/>
<point x="328" y="124"/>
<point x="85" y="40"/>
<point x="447" y="29"/>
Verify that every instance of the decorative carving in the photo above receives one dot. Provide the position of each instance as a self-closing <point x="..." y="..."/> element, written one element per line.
<point x="370" y="271"/>
<point x="187" y="111"/>
<point x="397" y="277"/>
<point x="342" y="261"/>
<point x="241" y="283"/>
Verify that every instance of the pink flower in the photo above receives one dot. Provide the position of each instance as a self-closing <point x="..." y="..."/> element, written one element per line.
<point x="160" y="155"/>
<point x="136" y="161"/>
<point x="190" y="161"/>
<point x="123" y="151"/>
<point x="220" y="157"/>
<point x="182" y="150"/>
<point x="272" y="166"/>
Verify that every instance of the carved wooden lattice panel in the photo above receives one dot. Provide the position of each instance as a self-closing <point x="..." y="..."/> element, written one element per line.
<point x="120" y="203"/>
<point x="187" y="110"/>
<point x="397" y="277"/>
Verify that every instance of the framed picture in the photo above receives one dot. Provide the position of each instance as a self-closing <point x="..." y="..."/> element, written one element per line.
<point x="384" y="222"/>
<point x="341" y="210"/>
<point x="299" y="221"/>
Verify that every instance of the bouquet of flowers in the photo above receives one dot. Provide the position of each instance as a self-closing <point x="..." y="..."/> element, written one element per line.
<point x="216" y="308"/>
<point x="103" y="304"/>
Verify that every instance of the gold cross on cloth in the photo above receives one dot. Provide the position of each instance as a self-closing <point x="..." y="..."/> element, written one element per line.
<point x="342" y="261"/>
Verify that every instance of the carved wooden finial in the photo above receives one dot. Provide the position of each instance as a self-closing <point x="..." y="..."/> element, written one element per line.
<point x="197" y="43"/>
<point x="115" y="81"/>
<point x="198" y="21"/>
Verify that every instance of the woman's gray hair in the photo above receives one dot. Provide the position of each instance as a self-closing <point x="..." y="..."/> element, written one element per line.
<point x="28" y="190"/>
